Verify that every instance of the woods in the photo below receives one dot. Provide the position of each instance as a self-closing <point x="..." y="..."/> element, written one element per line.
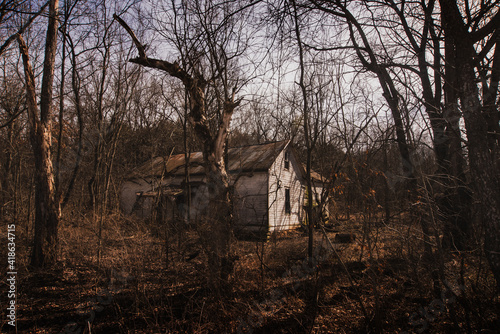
<point x="392" y="109"/>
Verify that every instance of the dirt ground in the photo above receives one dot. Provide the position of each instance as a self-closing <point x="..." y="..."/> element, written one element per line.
<point x="147" y="283"/>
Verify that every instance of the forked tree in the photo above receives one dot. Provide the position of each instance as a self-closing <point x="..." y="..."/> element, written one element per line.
<point x="47" y="211"/>
<point x="206" y="36"/>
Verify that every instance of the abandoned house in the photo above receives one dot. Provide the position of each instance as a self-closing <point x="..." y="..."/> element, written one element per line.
<point x="269" y="189"/>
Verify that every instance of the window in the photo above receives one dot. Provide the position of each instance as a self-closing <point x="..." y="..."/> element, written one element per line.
<point x="288" y="208"/>
<point x="287" y="160"/>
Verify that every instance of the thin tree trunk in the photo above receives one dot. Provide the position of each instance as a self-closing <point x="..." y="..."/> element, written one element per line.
<point x="307" y="137"/>
<point x="75" y="85"/>
<point x="6" y="171"/>
<point x="186" y="158"/>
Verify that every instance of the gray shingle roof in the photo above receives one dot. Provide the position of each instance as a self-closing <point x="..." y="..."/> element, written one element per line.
<point x="240" y="159"/>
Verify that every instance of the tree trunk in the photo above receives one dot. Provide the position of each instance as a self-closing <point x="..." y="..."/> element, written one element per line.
<point x="483" y="151"/>
<point x="455" y="202"/>
<point x="46" y="241"/>
<point x="485" y="169"/>
<point x="219" y="213"/>
<point x="6" y="172"/>
<point x="217" y="219"/>
<point x="45" y="248"/>
<point x="307" y="138"/>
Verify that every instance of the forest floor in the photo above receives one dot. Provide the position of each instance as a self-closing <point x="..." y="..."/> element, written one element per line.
<point x="377" y="283"/>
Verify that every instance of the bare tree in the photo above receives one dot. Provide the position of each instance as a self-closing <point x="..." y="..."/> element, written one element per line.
<point x="209" y="39"/>
<point x="314" y="82"/>
<point x="368" y="43"/>
<point x="367" y="55"/>
<point x="305" y="115"/>
<point x="473" y="32"/>
<point x="45" y="248"/>
<point x="470" y="75"/>
<point x="421" y="37"/>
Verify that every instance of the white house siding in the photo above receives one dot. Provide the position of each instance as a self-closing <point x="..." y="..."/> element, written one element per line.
<point x="279" y="180"/>
<point x="259" y="203"/>
<point x="317" y="192"/>
<point x="250" y="203"/>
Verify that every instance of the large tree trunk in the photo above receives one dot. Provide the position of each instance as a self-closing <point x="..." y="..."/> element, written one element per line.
<point x="218" y="218"/>
<point x="45" y="248"/>
<point x="455" y="204"/>
<point x="219" y="213"/>
<point x="485" y="169"/>
<point x="484" y="152"/>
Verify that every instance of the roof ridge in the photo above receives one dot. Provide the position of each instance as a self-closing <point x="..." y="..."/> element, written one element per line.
<point x="261" y="144"/>
<point x="254" y="158"/>
<point x="233" y="147"/>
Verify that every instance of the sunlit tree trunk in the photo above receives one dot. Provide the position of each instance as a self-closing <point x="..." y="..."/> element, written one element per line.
<point x="45" y="247"/>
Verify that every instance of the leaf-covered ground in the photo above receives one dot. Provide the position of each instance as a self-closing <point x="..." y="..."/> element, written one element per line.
<point x="377" y="284"/>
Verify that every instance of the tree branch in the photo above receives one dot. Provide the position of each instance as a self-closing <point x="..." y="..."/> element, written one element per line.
<point x="138" y="45"/>
<point x="22" y="29"/>
<point x="30" y="85"/>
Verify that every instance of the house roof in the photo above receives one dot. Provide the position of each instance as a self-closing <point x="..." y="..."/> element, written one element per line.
<point x="251" y="158"/>
<point x="315" y="176"/>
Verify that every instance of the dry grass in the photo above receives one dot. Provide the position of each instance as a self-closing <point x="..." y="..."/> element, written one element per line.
<point x="378" y="283"/>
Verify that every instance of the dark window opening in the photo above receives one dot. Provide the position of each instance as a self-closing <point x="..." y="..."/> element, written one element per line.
<point x="288" y="208"/>
<point x="287" y="160"/>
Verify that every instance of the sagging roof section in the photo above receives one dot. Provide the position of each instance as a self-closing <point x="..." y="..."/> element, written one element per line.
<point x="240" y="159"/>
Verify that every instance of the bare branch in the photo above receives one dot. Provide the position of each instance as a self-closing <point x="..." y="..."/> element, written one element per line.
<point x="22" y="29"/>
<point x="138" y="45"/>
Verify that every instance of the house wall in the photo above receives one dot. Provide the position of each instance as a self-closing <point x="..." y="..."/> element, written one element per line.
<point x="130" y="203"/>
<point x="259" y="202"/>
<point x="250" y="202"/>
<point x="317" y="192"/>
<point x="279" y="180"/>
<point x="128" y="192"/>
<point x="317" y="195"/>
